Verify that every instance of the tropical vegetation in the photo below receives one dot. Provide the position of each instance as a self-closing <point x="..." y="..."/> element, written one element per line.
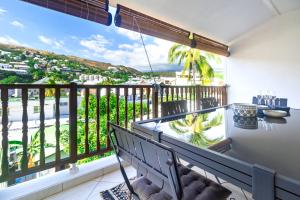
<point x="193" y="61"/>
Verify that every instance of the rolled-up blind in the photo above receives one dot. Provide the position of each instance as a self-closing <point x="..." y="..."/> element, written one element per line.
<point x="93" y="10"/>
<point x="136" y="21"/>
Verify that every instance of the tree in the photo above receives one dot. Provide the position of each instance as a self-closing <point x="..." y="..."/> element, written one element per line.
<point x="92" y="134"/>
<point x="193" y="61"/>
<point x="33" y="147"/>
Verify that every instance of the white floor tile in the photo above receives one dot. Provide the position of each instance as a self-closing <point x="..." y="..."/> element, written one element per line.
<point x="101" y="186"/>
<point x="116" y="176"/>
<point x="80" y="192"/>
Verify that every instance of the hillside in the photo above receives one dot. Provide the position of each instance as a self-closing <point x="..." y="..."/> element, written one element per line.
<point x="89" y="63"/>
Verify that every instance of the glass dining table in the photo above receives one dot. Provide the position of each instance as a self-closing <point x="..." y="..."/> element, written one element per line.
<point x="244" y="151"/>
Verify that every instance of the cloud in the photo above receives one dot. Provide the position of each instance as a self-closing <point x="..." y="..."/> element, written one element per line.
<point x="134" y="55"/>
<point x="17" y="24"/>
<point x="130" y="34"/>
<point x="73" y="37"/>
<point x="95" y="43"/>
<point x="56" y="44"/>
<point x="11" y="41"/>
<point x="131" y="55"/>
<point x="2" y="11"/>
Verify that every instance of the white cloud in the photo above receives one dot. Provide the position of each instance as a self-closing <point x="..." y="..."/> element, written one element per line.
<point x="56" y="44"/>
<point x="95" y="43"/>
<point x="73" y="37"/>
<point x="134" y="55"/>
<point x="129" y="34"/>
<point x="131" y="55"/>
<point x="17" y="24"/>
<point x="2" y="11"/>
<point x="11" y="41"/>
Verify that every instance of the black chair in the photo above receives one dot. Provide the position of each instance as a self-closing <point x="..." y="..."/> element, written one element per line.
<point x="282" y="102"/>
<point x="160" y="177"/>
<point x="173" y="107"/>
<point x="209" y="102"/>
<point x="254" y="100"/>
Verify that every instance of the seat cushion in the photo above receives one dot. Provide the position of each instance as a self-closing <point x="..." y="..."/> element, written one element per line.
<point x="194" y="186"/>
<point x="198" y="187"/>
<point x="145" y="189"/>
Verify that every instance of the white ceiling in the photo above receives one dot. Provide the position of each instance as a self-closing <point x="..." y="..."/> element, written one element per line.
<point x="222" y="20"/>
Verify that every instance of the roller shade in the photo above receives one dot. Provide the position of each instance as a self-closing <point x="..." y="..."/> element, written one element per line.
<point x="93" y="10"/>
<point x="133" y="20"/>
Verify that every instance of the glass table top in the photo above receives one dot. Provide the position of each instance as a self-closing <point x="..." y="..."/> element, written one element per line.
<point x="271" y="142"/>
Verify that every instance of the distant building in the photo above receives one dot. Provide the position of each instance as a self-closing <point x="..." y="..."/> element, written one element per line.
<point x="5" y="66"/>
<point x="33" y="109"/>
<point x="91" y="79"/>
<point x="17" y="71"/>
<point x="113" y="69"/>
<point x="182" y="78"/>
<point x="2" y="53"/>
<point x="23" y="67"/>
<point x="167" y="80"/>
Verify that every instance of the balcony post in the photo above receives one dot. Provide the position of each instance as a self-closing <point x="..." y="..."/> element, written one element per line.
<point x="73" y="122"/>
<point x="155" y="91"/>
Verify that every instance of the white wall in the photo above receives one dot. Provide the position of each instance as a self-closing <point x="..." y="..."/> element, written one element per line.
<point x="268" y="58"/>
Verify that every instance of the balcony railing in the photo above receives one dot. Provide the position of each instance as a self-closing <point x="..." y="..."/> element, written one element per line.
<point x="90" y="107"/>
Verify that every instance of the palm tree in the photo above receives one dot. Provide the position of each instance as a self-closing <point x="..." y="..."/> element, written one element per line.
<point x="33" y="147"/>
<point x="193" y="61"/>
<point x="50" y="92"/>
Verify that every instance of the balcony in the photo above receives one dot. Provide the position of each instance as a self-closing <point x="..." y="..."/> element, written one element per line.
<point x="80" y="113"/>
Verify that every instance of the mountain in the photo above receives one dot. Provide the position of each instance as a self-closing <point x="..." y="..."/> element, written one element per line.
<point x="87" y="62"/>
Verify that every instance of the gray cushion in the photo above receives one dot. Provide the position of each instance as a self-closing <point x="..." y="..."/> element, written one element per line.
<point x="195" y="187"/>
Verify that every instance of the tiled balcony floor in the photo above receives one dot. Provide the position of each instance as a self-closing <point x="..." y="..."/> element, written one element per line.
<point x="91" y="190"/>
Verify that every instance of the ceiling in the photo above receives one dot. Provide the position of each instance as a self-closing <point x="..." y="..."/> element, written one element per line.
<point x="221" y="20"/>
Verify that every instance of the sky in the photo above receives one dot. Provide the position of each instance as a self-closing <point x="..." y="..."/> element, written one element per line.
<point x="40" y="28"/>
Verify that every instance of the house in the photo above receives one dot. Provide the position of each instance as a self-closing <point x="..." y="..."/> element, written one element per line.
<point x="113" y="69"/>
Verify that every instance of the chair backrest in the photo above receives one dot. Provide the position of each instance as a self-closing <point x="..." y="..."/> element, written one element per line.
<point x="281" y="102"/>
<point x="173" y="107"/>
<point x="209" y="102"/>
<point x="158" y="160"/>
<point x="254" y="100"/>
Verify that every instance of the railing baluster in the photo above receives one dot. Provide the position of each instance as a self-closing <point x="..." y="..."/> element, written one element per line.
<point x="186" y="92"/>
<point x="118" y="105"/>
<point x="181" y="92"/>
<point x="133" y="98"/>
<point x="167" y="93"/>
<point x="98" y="90"/>
<point x="107" y="116"/>
<point x="24" y="159"/>
<point x="194" y="91"/>
<point x="4" y="160"/>
<point x="73" y="122"/>
<point x="42" y="126"/>
<point x="141" y="103"/>
<point x="177" y="93"/>
<point x="86" y="121"/>
<point x="148" y="103"/>
<point x="126" y="107"/>
<point x="172" y="93"/>
<point x="190" y="90"/>
<point x="162" y="94"/>
<point x="57" y="128"/>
